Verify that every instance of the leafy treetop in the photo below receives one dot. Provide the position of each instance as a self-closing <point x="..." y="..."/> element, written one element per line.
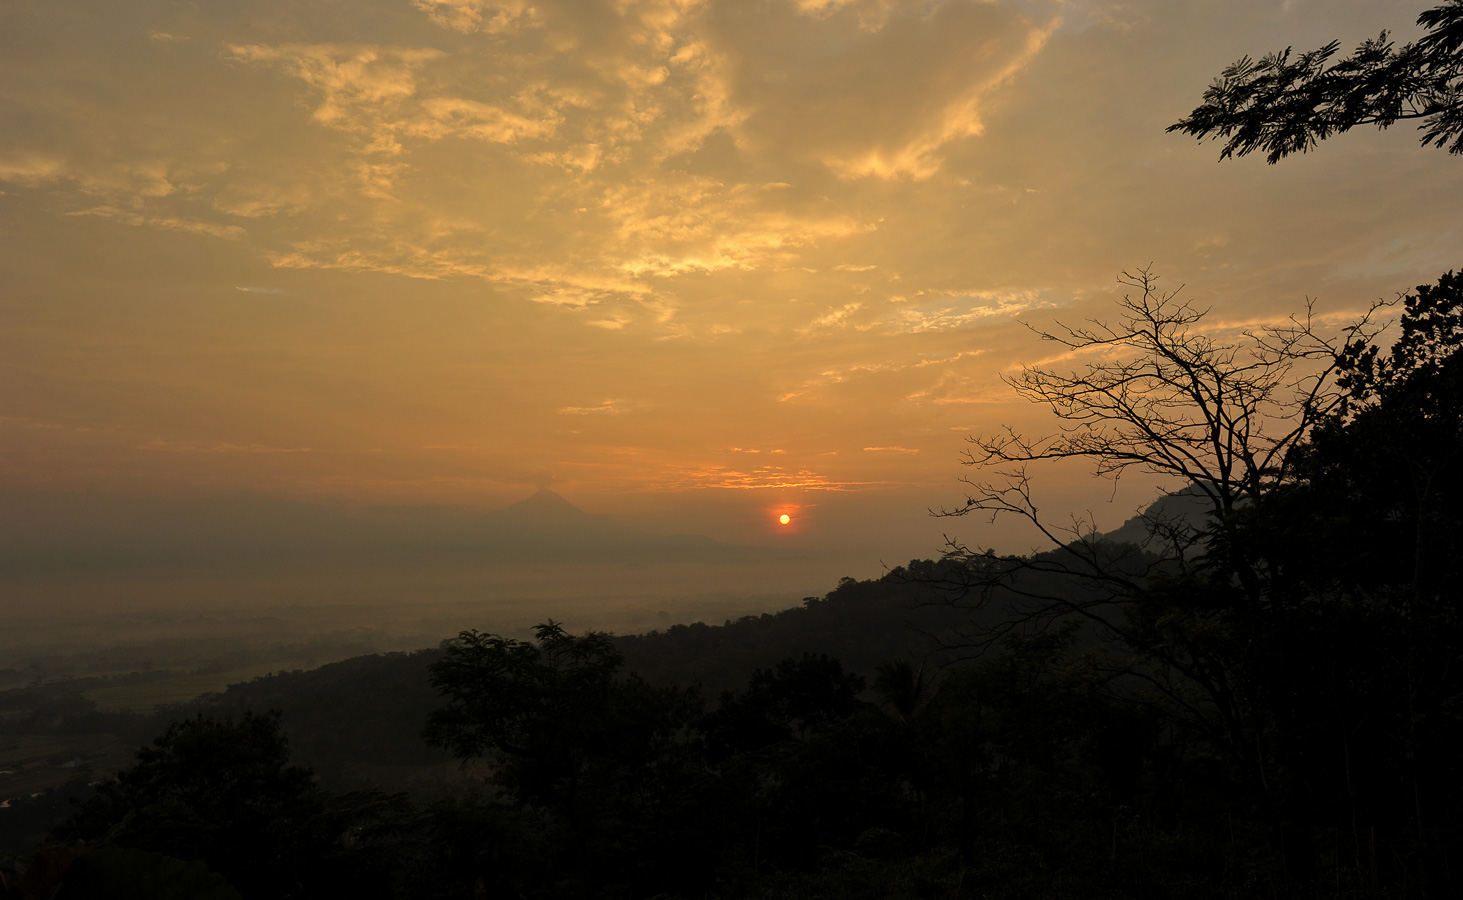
<point x="1283" y="104"/>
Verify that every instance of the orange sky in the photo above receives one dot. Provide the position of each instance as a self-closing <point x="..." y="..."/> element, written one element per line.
<point x="693" y="262"/>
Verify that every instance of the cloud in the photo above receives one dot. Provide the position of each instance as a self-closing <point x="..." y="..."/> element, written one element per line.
<point x="26" y="422"/>
<point x="761" y="478"/>
<point x="933" y="313"/>
<point x="925" y="377"/>
<point x="607" y="80"/>
<point x="31" y="169"/>
<point x="871" y="14"/>
<point x="217" y="447"/>
<point x="663" y="168"/>
<point x="455" y="116"/>
<point x="363" y="89"/>
<point x="879" y="89"/>
<point x="833" y="318"/>
<point x="490" y="16"/>
<point x="917" y="156"/>
<point x="170" y="223"/>
<point x="605" y="408"/>
<point x="656" y="162"/>
<point x="539" y="478"/>
<point x="694" y="225"/>
<point x="130" y="181"/>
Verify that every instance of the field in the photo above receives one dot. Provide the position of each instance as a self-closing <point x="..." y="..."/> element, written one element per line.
<point x="31" y="764"/>
<point x="162" y="689"/>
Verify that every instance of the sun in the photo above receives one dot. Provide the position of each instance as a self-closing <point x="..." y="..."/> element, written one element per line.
<point x="784" y="518"/>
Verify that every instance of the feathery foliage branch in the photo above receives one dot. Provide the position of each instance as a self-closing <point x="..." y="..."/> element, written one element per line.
<point x="1282" y="104"/>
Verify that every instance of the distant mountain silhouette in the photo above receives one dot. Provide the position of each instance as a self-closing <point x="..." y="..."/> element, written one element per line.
<point x="81" y="533"/>
<point x="1188" y="506"/>
<point x="546" y="523"/>
<point x="544" y="502"/>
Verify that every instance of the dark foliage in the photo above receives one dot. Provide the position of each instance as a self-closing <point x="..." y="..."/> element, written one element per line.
<point x="351" y="720"/>
<point x="1304" y="635"/>
<point x="1363" y="550"/>
<point x="1281" y="104"/>
<point x="603" y="762"/>
<point x="797" y="698"/>
<point x="217" y="790"/>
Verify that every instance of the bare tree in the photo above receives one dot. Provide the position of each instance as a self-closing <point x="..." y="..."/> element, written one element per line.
<point x="1218" y="418"/>
<point x="1216" y="415"/>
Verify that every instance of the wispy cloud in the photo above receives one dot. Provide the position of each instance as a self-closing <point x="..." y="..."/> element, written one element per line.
<point x="761" y="478"/>
<point x="217" y="447"/>
<point x="31" y="169"/>
<point x="605" y="408"/>
<point x="169" y="223"/>
<point x="834" y="318"/>
<point x="936" y="312"/>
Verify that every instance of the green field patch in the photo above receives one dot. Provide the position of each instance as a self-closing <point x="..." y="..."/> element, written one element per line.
<point x="169" y="688"/>
<point x="33" y="763"/>
<point x="24" y="749"/>
<point x="35" y="781"/>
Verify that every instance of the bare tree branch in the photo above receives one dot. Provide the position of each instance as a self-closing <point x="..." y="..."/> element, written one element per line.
<point x="1164" y="396"/>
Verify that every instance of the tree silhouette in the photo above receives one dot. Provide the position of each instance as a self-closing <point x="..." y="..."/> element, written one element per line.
<point x="1215" y="418"/>
<point x="792" y="700"/>
<point x="220" y="791"/>
<point x="902" y="688"/>
<point x="1190" y="615"/>
<point x="1366" y="550"/>
<point x="1281" y="104"/>
<point x="607" y="759"/>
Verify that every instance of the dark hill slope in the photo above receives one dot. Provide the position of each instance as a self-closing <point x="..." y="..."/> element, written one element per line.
<point x="349" y="718"/>
<point x="360" y="720"/>
<point x="862" y="623"/>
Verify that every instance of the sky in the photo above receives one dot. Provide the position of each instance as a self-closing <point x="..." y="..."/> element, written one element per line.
<point x="692" y="263"/>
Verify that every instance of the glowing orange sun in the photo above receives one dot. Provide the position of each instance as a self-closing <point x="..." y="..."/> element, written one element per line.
<point x="784" y="518"/>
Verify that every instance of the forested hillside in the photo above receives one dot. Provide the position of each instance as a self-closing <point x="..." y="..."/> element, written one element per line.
<point x="358" y="722"/>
